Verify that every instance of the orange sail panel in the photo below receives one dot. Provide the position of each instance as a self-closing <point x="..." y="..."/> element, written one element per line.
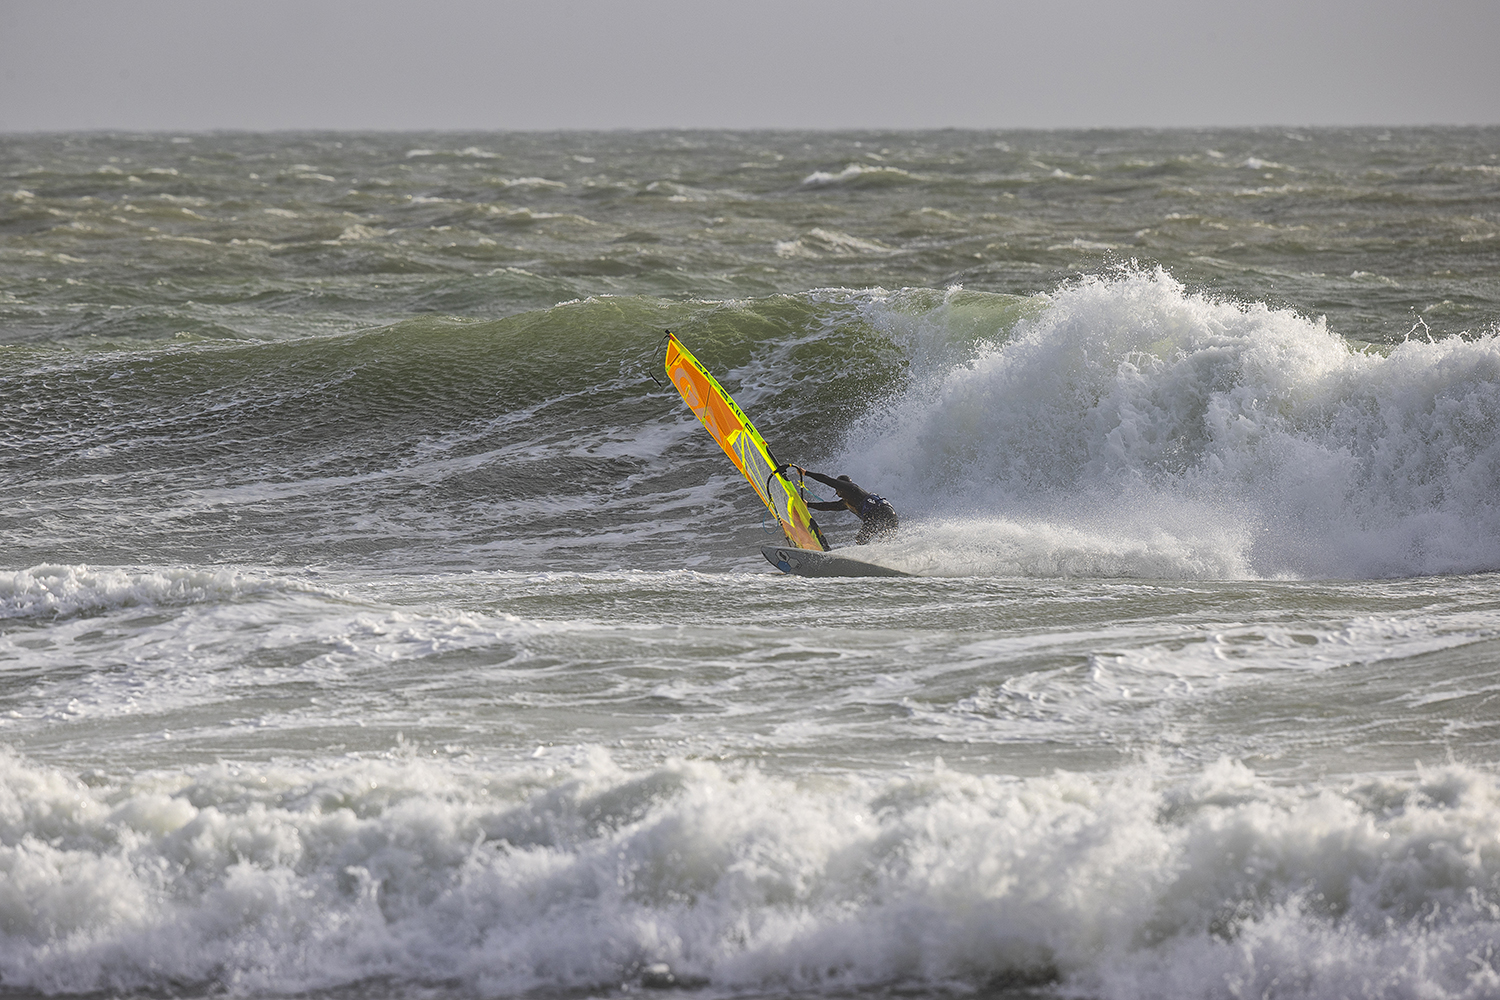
<point x="743" y="444"/>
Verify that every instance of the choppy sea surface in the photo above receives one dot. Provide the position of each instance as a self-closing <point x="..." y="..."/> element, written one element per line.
<point x="374" y="624"/>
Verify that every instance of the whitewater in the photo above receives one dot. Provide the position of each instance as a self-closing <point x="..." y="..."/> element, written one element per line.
<point x="375" y="622"/>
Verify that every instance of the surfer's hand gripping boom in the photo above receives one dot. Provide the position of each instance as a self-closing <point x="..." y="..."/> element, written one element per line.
<point x="780" y="470"/>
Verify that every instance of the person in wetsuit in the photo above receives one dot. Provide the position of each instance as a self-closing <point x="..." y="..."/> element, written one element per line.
<point x="876" y="512"/>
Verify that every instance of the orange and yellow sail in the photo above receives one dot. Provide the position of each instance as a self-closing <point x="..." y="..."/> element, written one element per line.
<point x="743" y="444"/>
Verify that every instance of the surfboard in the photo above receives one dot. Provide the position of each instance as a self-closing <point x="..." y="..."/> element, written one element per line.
<point x="727" y="423"/>
<point x="804" y="562"/>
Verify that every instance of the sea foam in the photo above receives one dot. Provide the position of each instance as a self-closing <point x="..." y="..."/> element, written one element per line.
<point x="1213" y="438"/>
<point x="581" y="875"/>
<point x="57" y="590"/>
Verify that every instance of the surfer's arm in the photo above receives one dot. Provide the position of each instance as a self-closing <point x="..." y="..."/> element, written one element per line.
<point x="837" y="505"/>
<point x="825" y="480"/>
<point x="853" y="496"/>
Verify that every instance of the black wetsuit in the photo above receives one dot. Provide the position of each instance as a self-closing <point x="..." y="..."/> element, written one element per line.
<point x="876" y="512"/>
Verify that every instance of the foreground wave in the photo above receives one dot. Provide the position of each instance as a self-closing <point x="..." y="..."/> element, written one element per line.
<point x="577" y="875"/>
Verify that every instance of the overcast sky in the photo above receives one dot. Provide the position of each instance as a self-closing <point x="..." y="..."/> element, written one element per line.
<point x="181" y="65"/>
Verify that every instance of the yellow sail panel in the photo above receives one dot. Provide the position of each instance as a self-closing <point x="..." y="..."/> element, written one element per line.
<point x="723" y="419"/>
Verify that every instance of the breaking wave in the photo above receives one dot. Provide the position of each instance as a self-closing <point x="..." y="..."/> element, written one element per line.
<point x="1130" y="427"/>
<point x="580" y="875"/>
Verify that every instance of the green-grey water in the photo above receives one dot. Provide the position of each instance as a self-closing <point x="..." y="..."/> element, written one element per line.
<point x="373" y="622"/>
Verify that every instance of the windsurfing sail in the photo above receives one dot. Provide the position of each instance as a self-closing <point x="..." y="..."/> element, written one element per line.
<point x="723" y="418"/>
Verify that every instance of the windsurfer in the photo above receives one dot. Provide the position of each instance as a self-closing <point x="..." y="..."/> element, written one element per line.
<point x="876" y="512"/>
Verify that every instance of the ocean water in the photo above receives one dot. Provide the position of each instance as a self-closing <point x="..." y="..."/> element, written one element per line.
<point x="374" y="623"/>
